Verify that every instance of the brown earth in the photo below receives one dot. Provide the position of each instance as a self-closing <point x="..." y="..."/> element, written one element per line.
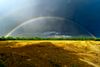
<point x="49" y="53"/>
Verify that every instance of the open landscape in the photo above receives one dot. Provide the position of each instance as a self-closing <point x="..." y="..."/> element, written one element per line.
<point x="49" y="33"/>
<point x="49" y="53"/>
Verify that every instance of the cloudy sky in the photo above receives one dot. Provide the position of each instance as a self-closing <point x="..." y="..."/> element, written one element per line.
<point x="83" y="12"/>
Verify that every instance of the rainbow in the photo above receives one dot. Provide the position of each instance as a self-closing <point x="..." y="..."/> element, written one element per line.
<point x="43" y="17"/>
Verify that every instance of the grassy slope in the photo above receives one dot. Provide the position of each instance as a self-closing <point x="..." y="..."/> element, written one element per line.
<point x="50" y="53"/>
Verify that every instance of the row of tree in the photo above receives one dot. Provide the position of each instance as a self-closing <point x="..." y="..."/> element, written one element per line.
<point x="39" y="38"/>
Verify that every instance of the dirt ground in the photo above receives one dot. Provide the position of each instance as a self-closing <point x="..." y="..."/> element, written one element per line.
<point x="49" y="53"/>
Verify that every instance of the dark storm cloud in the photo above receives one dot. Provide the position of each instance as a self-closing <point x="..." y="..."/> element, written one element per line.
<point x="84" y="12"/>
<point x="88" y="14"/>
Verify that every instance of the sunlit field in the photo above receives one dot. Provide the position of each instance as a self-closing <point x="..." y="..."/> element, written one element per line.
<point x="49" y="53"/>
<point x="49" y="33"/>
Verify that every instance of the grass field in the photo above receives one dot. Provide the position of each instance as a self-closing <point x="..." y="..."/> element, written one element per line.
<point x="49" y="53"/>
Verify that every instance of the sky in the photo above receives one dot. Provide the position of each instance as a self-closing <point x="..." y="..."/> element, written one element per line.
<point x="83" y="12"/>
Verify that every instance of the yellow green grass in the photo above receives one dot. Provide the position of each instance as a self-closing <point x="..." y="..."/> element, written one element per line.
<point x="49" y="53"/>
